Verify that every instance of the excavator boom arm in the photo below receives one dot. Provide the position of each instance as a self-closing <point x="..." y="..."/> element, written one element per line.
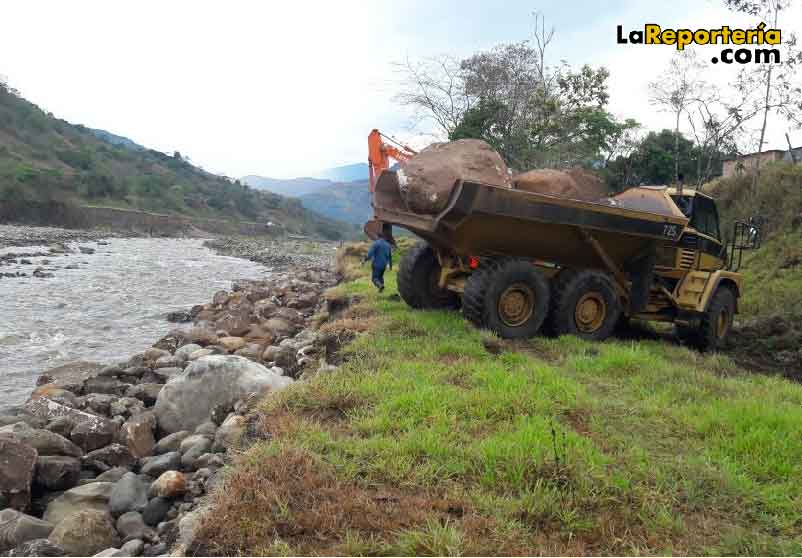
<point x="380" y="153"/>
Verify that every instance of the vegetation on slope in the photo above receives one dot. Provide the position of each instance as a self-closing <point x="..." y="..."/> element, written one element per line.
<point x="434" y="438"/>
<point x="769" y="336"/>
<point x="44" y="159"/>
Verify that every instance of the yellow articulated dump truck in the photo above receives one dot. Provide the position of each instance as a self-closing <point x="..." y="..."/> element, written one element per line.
<point x="519" y="262"/>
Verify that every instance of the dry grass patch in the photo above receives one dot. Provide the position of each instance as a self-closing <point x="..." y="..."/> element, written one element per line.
<point x="281" y="500"/>
<point x="348" y="262"/>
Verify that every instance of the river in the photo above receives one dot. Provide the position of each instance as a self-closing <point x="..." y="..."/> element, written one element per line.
<point x="109" y="308"/>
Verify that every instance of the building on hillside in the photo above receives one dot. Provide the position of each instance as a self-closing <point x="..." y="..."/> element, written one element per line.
<point x="745" y="164"/>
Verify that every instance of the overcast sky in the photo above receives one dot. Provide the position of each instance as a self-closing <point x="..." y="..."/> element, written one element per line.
<point x="284" y="89"/>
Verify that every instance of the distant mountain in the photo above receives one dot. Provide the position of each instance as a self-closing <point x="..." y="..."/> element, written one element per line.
<point x="114" y="139"/>
<point x="342" y="201"/>
<point x="347" y="173"/>
<point x="349" y="202"/>
<point x="293" y="187"/>
<point x="298" y="187"/>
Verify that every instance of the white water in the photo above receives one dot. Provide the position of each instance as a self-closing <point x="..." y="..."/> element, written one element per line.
<point x="108" y="309"/>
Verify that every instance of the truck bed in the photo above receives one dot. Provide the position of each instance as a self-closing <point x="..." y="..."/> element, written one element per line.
<point x="483" y="220"/>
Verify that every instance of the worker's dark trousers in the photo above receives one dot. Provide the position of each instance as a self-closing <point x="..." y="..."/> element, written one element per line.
<point x="378" y="277"/>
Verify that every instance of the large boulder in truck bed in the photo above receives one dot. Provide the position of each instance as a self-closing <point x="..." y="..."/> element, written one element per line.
<point x="576" y="184"/>
<point x="427" y="179"/>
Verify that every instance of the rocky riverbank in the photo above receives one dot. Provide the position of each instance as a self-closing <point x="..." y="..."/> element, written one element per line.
<point x="21" y="235"/>
<point x="116" y="460"/>
<point x="277" y="254"/>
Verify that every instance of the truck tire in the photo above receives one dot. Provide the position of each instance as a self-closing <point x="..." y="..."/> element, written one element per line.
<point x="715" y="325"/>
<point x="585" y="304"/>
<point x="507" y="296"/>
<point x="418" y="274"/>
<point x="564" y="276"/>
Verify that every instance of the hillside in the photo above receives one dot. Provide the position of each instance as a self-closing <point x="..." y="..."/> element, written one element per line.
<point x="45" y="159"/>
<point x="770" y="335"/>
<point x="349" y="202"/>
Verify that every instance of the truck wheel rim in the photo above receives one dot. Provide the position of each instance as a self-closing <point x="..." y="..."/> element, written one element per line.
<point x="516" y="305"/>
<point x="591" y="310"/>
<point x="723" y="325"/>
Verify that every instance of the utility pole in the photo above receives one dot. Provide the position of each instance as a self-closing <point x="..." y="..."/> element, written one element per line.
<point x="790" y="148"/>
<point x="756" y="174"/>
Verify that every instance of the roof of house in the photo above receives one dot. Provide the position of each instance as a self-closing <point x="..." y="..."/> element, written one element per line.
<point x="747" y="155"/>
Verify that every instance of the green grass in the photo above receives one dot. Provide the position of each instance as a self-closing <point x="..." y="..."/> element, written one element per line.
<point x="773" y="277"/>
<point x="561" y="446"/>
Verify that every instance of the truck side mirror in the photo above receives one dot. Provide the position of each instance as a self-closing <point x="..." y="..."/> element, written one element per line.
<point x="746" y="235"/>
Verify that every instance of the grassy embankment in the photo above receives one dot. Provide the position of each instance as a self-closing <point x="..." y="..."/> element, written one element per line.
<point x="770" y="334"/>
<point x="425" y="442"/>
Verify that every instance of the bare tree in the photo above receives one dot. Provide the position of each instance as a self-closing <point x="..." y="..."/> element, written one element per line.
<point x="533" y="113"/>
<point x="676" y="91"/>
<point x="718" y="123"/>
<point x="778" y="82"/>
<point x="435" y="89"/>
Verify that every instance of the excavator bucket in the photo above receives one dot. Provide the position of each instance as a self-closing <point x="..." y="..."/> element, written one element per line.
<point x="375" y="229"/>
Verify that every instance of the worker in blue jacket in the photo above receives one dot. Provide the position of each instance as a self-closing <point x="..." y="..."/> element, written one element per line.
<point x="381" y="254"/>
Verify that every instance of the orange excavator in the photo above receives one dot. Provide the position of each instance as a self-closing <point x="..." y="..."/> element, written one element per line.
<point x="380" y="152"/>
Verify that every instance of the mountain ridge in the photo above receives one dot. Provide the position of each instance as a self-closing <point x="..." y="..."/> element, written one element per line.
<point x="47" y="159"/>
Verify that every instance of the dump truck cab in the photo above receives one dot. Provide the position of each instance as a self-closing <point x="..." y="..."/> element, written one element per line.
<point x="692" y="270"/>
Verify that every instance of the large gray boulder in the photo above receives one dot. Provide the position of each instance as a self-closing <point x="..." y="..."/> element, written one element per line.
<point x="155" y="466"/>
<point x="17" y="465"/>
<point x="130" y="493"/>
<point x="187" y="400"/>
<point x="85" y="533"/>
<point x="171" y="442"/>
<point x="44" y="442"/>
<point x="90" y="431"/>
<point x="92" y="496"/>
<point x="17" y="528"/>
<point x="130" y="525"/>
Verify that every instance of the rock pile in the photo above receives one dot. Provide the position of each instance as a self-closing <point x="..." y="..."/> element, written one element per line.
<point x="116" y="463"/>
<point x="279" y="254"/>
